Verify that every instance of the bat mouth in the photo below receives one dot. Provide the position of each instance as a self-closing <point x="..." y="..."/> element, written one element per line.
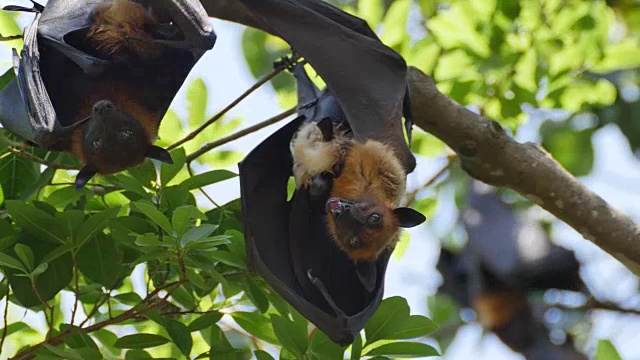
<point x="338" y="207"/>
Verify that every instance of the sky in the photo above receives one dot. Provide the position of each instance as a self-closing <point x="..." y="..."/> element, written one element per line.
<point x="615" y="177"/>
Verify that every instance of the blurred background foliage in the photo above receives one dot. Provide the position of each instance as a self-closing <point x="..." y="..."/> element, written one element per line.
<point x="151" y="267"/>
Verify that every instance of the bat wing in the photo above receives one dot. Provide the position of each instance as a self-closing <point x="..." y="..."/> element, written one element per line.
<point x="25" y="106"/>
<point x="46" y="70"/>
<point x="288" y="242"/>
<point x="367" y="77"/>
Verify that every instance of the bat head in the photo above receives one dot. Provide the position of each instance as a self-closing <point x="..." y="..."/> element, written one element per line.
<point x="363" y="228"/>
<point x="113" y="140"/>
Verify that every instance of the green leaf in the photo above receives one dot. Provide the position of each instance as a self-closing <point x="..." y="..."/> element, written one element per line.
<point x="256" y="295"/>
<point x="182" y="216"/>
<point x="64" y="354"/>
<point x="356" y="348"/>
<point x="130" y="298"/>
<point x="197" y="102"/>
<point x="137" y="355"/>
<point x="208" y="244"/>
<point x="289" y="336"/>
<point x="415" y="326"/>
<point x="101" y="260"/>
<point x="39" y="270"/>
<point x="7" y="77"/>
<point x="606" y="351"/>
<point x="371" y="11"/>
<point x="144" y="173"/>
<point x="256" y="325"/>
<point x="95" y="224"/>
<point x="155" y="215"/>
<point x="403" y="350"/>
<point x="35" y="221"/>
<point x="64" y="196"/>
<point x="180" y="335"/>
<point x="140" y="341"/>
<point x="78" y="338"/>
<point x="197" y="233"/>
<point x="126" y="182"/>
<point x="169" y="171"/>
<point x="56" y="276"/>
<point x="323" y="348"/>
<point x="262" y="355"/>
<point x="205" y="321"/>
<point x="227" y="258"/>
<point x="208" y="178"/>
<point x="388" y="319"/>
<point x="57" y="252"/>
<point x="25" y="255"/>
<point x="11" y="262"/>
<point x="17" y="176"/>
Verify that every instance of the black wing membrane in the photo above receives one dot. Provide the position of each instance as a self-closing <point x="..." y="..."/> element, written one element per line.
<point x="32" y="106"/>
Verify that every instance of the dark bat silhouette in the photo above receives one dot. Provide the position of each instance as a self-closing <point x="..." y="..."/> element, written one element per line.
<point x="288" y="242"/>
<point x="495" y="276"/>
<point x="96" y="77"/>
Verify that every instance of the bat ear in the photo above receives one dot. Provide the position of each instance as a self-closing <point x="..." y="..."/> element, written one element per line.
<point x="368" y="274"/>
<point x="408" y="218"/>
<point x="83" y="177"/>
<point x="158" y="153"/>
<point x="326" y="128"/>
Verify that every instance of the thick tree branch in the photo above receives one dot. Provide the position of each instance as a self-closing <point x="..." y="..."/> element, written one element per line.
<point x="488" y="154"/>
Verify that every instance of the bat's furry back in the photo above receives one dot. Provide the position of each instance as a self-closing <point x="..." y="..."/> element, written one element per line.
<point x="120" y="31"/>
<point x="363" y="211"/>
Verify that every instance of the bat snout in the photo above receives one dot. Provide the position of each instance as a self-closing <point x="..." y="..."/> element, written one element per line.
<point x="103" y="107"/>
<point x="338" y="207"/>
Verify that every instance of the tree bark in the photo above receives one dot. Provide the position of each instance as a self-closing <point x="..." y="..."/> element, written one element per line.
<point x="488" y="154"/>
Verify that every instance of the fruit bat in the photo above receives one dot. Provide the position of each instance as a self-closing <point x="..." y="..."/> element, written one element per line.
<point x="505" y="260"/>
<point x="288" y="241"/>
<point x="96" y="77"/>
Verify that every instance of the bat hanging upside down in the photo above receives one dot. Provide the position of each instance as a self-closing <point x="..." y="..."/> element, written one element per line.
<point x="363" y="210"/>
<point x="127" y="102"/>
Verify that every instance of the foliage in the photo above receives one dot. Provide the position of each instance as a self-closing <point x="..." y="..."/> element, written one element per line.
<point x="139" y="266"/>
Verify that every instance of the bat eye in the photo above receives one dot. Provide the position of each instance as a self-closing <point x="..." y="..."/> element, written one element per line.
<point x="374" y="219"/>
<point x="96" y="144"/>
<point x="355" y="243"/>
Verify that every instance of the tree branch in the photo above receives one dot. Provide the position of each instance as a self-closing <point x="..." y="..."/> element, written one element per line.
<point x="239" y="134"/>
<point x="488" y="154"/>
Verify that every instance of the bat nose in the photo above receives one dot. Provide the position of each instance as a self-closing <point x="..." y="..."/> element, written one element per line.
<point x="103" y="107"/>
<point x="337" y="207"/>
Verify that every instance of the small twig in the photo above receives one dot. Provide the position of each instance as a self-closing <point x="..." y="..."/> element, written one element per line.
<point x="129" y="314"/>
<point x="5" y="318"/>
<point x="46" y="305"/>
<point x="191" y="173"/>
<point x="34" y="158"/>
<point x="411" y="197"/>
<point x="95" y="308"/>
<point x="10" y="37"/>
<point x="239" y="134"/>
<point x="235" y="102"/>
<point x="76" y="287"/>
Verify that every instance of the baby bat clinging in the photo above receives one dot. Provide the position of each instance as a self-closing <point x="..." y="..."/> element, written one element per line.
<point x="363" y="213"/>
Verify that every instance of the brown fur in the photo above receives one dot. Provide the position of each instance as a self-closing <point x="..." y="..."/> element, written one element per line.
<point x="118" y="32"/>
<point x="495" y="310"/>
<point x="370" y="171"/>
